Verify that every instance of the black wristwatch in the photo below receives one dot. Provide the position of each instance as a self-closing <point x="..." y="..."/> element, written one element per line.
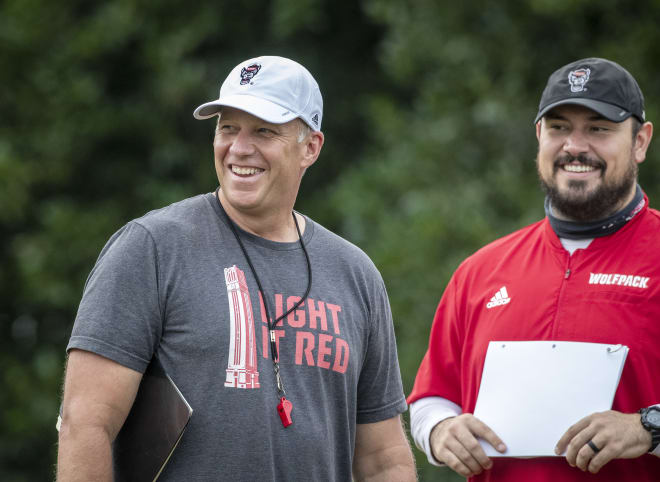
<point x="651" y="422"/>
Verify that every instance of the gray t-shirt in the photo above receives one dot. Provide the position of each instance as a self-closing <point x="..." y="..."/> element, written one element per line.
<point x="175" y="283"/>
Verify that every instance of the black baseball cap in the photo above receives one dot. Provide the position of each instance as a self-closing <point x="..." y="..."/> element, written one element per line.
<point x="598" y="84"/>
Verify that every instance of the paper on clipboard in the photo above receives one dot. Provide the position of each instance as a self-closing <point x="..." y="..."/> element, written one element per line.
<point x="532" y="391"/>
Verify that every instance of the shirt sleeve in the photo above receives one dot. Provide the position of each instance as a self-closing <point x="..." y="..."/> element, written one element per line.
<point x="425" y="414"/>
<point x="380" y="391"/>
<point x="119" y="316"/>
<point x="440" y="371"/>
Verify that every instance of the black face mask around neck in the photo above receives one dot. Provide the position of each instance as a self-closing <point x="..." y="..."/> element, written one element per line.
<point x="595" y="229"/>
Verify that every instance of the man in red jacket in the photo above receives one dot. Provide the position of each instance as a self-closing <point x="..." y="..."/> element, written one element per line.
<point x="588" y="272"/>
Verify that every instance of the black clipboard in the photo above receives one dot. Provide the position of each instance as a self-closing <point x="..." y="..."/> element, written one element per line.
<point x="153" y="428"/>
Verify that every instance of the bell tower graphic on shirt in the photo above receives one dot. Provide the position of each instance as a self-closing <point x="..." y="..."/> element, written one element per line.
<point x="242" y="368"/>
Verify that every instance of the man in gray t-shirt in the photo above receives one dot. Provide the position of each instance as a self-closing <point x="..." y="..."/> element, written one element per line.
<point x="277" y="332"/>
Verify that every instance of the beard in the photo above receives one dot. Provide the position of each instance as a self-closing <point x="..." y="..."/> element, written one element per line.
<point x="581" y="205"/>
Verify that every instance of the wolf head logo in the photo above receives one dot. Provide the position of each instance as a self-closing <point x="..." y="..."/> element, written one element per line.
<point x="578" y="79"/>
<point x="247" y="73"/>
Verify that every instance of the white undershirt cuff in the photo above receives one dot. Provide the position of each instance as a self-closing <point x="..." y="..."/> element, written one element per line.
<point x="425" y="414"/>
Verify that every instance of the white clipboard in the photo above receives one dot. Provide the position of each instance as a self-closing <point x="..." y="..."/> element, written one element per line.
<point x="531" y="392"/>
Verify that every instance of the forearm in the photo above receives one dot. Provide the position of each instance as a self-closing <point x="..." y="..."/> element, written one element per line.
<point x="84" y="454"/>
<point x="394" y="464"/>
<point x="382" y="452"/>
<point x="98" y="394"/>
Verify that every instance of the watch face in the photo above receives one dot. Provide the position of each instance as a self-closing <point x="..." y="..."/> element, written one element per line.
<point x="653" y="417"/>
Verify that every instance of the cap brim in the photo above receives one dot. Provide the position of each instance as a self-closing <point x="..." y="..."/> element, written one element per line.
<point x="258" y="107"/>
<point x="609" y="111"/>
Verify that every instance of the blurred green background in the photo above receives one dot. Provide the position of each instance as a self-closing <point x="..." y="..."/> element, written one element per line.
<point x="429" y="145"/>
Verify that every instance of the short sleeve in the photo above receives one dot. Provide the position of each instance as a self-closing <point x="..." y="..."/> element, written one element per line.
<point x="380" y="391"/>
<point x="119" y="316"/>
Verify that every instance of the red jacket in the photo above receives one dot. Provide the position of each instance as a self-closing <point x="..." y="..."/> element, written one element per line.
<point x="606" y="293"/>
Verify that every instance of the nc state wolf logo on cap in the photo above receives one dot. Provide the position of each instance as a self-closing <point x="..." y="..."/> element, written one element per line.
<point x="578" y="79"/>
<point x="248" y="72"/>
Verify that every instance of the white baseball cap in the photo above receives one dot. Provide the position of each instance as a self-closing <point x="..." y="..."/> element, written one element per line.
<point x="274" y="89"/>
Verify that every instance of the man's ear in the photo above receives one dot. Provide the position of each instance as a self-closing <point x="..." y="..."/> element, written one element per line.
<point x="312" y="145"/>
<point x="642" y="141"/>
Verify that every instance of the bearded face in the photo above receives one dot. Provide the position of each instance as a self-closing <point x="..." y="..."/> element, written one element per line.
<point x="581" y="202"/>
<point x="587" y="164"/>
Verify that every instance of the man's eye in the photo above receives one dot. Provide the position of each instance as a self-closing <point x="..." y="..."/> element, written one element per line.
<point x="266" y="130"/>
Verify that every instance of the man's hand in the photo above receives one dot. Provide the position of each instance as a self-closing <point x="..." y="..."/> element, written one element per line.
<point x="616" y="435"/>
<point x="454" y="442"/>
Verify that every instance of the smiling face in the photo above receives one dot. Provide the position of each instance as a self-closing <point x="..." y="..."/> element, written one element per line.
<point x="588" y="164"/>
<point x="260" y="165"/>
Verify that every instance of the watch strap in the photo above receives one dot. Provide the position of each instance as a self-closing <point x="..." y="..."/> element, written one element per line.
<point x="655" y="440"/>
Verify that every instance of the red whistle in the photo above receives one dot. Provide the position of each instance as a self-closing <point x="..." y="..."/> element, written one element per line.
<point x="284" y="410"/>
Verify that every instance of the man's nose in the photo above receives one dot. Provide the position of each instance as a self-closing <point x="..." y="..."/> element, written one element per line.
<point x="576" y="143"/>
<point x="242" y="144"/>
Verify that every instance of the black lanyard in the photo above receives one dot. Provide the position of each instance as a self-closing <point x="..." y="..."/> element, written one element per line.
<point x="271" y="325"/>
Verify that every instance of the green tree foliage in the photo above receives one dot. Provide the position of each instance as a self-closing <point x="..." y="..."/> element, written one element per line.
<point x="429" y="145"/>
<point x="96" y="128"/>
